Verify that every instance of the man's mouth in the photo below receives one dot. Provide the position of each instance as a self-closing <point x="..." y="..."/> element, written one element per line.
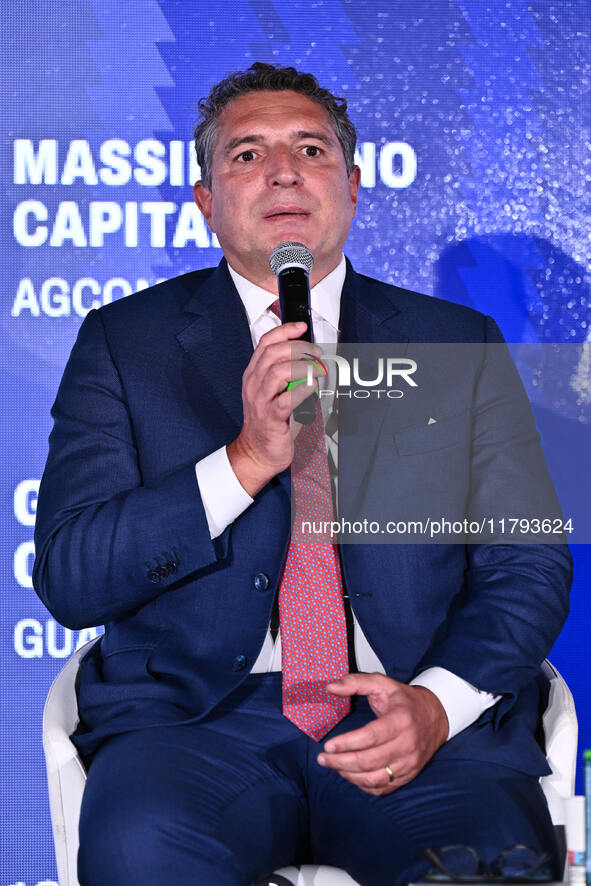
<point x="286" y="212"/>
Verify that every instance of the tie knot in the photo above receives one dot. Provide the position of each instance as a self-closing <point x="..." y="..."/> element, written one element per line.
<point x="276" y="308"/>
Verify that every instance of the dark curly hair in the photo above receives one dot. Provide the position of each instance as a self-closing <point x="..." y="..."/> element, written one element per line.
<point x="261" y="76"/>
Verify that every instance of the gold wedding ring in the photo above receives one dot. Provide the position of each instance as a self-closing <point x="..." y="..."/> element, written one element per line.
<point x="390" y="774"/>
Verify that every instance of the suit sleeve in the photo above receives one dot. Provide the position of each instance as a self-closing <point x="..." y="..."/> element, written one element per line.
<point x="106" y="543"/>
<point x="515" y="596"/>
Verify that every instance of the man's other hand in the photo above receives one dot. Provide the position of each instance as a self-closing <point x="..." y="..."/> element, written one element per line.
<point x="264" y="446"/>
<point x="410" y="725"/>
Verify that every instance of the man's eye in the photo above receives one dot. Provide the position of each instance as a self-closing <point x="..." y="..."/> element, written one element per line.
<point x="312" y="151"/>
<point x="245" y="156"/>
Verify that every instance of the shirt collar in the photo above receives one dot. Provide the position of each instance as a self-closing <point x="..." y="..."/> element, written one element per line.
<point x="325" y="297"/>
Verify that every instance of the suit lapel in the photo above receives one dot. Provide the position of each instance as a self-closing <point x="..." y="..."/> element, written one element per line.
<point x="218" y="346"/>
<point x="368" y="316"/>
<point x="368" y="313"/>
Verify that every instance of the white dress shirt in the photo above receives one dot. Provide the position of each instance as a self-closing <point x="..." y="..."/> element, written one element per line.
<point x="224" y="499"/>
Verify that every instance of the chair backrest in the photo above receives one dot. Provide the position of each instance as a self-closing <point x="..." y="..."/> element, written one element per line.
<point x="66" y="775"/>
<point x="561" y="736"/>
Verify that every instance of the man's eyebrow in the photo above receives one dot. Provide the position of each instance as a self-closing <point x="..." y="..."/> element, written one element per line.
<point x="319" y="136"/>
<point x="242" y="140"/>
<point x="257" y="139"/>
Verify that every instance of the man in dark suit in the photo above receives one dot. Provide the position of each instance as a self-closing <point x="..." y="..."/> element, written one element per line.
<point x="164" y="513"/>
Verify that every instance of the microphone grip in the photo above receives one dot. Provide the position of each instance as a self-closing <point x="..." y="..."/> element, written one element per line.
<point x="294" y="299"/>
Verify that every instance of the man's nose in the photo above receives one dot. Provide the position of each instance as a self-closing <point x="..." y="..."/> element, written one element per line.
<point x="282" y="169"/>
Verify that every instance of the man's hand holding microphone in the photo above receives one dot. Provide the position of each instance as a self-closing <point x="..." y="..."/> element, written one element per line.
<point x="285" y="354"/>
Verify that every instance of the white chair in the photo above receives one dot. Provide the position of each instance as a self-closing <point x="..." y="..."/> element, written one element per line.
<point x="66" y="775"/>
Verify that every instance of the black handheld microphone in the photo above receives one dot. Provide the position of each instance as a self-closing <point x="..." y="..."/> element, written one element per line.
<point x="292" y="263"/>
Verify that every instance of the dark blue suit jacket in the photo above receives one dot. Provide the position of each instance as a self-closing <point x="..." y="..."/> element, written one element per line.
<point x="152" y="385"/>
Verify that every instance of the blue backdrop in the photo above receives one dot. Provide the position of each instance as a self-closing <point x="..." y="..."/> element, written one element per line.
<point x="474" y="129"/>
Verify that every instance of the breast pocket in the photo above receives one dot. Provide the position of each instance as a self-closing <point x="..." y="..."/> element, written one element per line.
<point x="430" y="437"/>
<point x="431" y="470"/>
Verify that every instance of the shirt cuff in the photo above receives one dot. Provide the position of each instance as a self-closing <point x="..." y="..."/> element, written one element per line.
<point x="462" y="702"/>
<point x="223" y="497"/>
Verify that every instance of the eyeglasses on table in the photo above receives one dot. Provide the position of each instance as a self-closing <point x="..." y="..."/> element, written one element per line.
<point x="463" y="864"/>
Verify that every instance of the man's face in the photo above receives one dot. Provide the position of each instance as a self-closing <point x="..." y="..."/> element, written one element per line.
<point x="278" y="173"/>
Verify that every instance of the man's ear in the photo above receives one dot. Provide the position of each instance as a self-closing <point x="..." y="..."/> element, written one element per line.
<point x="202" y="197"/>
<point x="354" y="181"/>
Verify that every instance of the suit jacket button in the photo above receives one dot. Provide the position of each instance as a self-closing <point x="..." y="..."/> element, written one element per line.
<point x="239" y="663"/>
<point x="154" y="576"/>
<point x="171" y="566"/>
<point x="162" y="571"/>
<point x="261" y="581"/>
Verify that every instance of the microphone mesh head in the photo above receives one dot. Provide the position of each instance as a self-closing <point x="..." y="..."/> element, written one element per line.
<point x="289" y="255"/>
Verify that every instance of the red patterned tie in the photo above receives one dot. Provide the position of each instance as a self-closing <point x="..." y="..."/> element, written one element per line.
<point x="311" y="611"/>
